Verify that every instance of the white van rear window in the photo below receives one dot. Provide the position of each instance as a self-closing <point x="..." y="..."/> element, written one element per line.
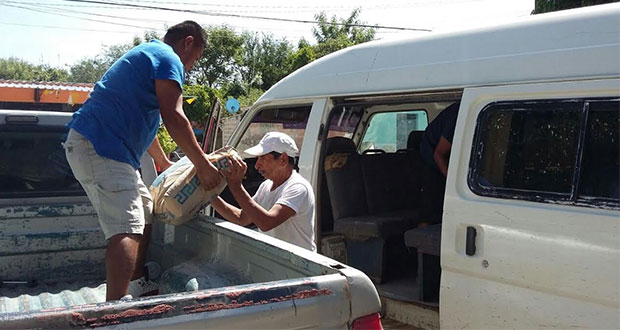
<point x="564" y="150"/>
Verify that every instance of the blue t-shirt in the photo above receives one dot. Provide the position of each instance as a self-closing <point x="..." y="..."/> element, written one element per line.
<point x="443" y="125"/>
<point x="121" y="116"/>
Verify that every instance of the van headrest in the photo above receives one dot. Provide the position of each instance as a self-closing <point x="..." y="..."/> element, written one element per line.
<point x="339" y="143"/>
<point x="415" y="137"/>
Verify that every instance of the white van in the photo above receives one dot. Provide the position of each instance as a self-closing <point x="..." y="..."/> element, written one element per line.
<point x="527" y="225"/>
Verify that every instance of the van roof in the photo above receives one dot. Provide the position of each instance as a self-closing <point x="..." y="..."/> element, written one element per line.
<point x="572" y="44"/>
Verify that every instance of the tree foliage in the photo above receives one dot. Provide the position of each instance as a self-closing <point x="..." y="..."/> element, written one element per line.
<point x="337" y="34"/>
<point x="220" y="59"/>
<point x="165" y="140"/>
<point x="265" y="60"/>
<point x="240" y="65"/>
<point x="90" y="70"/>
<point x="197" y="101"/>
<point x="305" y="54"/>
<point x="13" y="68"/>
<point x="544" y="6"/>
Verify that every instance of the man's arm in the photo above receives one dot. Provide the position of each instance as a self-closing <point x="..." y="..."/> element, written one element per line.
<point x="229" y="212"/>
<point x="158" y="155"/>
<point x="265" y="220"/>
<point x="170" y="100"/>
<point x="441" y="155"/>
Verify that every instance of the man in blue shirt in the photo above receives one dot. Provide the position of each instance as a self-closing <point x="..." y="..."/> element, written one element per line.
<point x="114" y="128"/>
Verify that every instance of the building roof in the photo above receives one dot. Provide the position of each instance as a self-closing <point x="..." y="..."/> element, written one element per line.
<point x="63" y="86"/>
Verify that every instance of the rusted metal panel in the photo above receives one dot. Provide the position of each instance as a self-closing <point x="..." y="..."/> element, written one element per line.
<point x="292" y="295"/>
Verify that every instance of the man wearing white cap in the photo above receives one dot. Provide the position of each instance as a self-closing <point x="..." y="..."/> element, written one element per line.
<point x="283" y="206"/>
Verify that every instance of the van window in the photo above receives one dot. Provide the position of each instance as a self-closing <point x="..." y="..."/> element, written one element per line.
<point x="344" y="121"/>
<point x="291" y="121"/>
<point x="531" y="150"/>
<point x="389" y="131"/>
<point x="600" y="176"/>
<point x="33" y="163"/>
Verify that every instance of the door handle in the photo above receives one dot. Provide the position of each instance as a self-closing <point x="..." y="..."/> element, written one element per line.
<point x="470" y="242"/>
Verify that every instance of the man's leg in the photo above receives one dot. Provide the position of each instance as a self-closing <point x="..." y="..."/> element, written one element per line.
<point x="147" y="207"/>
<point x="113" y="189"/>
<point x="143" y="244"/>
<point x="120" y="263"/>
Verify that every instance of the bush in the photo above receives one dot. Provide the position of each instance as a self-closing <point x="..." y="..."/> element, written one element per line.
<point x="166" y="140"/>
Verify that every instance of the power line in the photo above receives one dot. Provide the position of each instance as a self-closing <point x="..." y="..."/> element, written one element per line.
<point x="238" y="6"/>
<point x="55" y="11"/>
<point x="53" y="5"/>
<point x="65" y="5"/>
<point x="250" y="8"/>
<point x="202" y="12"/>
<point x="82" y="18"/>
<point x="65" y="28"/>
<point x="306" y="8"/>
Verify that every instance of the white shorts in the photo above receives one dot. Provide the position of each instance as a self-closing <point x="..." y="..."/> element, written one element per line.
<point x="116" y="190"/>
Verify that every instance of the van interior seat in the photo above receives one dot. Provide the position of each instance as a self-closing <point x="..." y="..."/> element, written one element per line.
<point x="369" y="191"/>
<point x="339" y="144"/>
<point x="414" y="139"/>
<point x="427" y="242"/>
<point x="389" y="183"/>
<point x="371" y="203"/>
<point x="382" y="226"/>
<point x="425" y="180"/>
<point x="332" y="145"/>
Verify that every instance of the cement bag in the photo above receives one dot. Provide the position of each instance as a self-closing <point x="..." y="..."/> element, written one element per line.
<point x="177" y="195"/>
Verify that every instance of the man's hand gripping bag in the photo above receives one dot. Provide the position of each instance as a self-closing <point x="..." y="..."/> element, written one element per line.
<point x="177" y="194"/>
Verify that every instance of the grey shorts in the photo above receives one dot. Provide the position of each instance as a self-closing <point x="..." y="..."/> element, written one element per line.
<point x="116" y="190"/>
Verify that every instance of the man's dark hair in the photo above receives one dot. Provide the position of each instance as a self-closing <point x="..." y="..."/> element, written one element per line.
<point x="291" y="160"/>
<point x="187" y="28"/>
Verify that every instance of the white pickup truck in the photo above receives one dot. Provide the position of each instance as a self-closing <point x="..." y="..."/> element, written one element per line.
<point x="213" y="273"/>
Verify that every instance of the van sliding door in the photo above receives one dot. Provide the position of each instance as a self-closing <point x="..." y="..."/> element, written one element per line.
<point x="532" y="210"/>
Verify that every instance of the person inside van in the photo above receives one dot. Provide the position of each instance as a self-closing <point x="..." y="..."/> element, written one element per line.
<point x="283" y="206"/>
<point x="437" y="139"/>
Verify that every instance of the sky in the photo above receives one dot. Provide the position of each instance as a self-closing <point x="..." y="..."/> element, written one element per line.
<point x="61" y="32"/>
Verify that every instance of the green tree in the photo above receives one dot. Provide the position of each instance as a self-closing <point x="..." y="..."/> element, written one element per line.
<point x="337" y="34"/>
<point x="166" y="141"/>
<point x="197" y="101"/>
<point x="221" y="58"/>
<point x="305" y="54"/>
<point x="249" y="97"/>
<point x="265" y="60"/>
<point x="89" y="70"/>
<point x="13" y="68"/>
<point x="544" y="6"/>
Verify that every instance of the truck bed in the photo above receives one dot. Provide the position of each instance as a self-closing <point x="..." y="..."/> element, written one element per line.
<point x="189" y="259"/>
<point x="26" y="297"/>
<point x="211" y="269"/>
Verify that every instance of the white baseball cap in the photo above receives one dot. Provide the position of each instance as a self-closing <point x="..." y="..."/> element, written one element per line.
<point x="274" y="141"/>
